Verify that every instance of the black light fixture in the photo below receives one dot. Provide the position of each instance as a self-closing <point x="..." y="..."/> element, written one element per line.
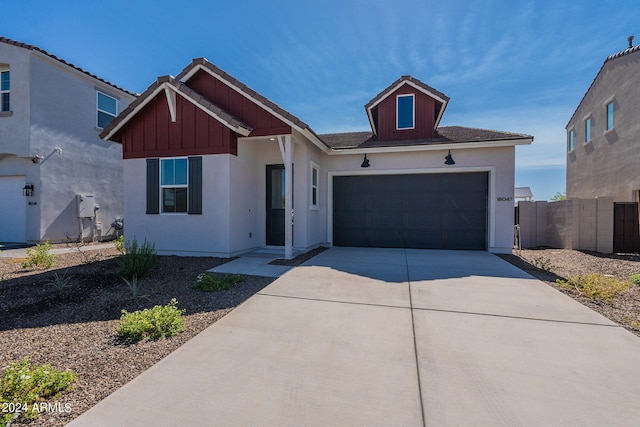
<point x="27" y="190"/>
<point x="449" y="160"/>
<point x="365" y="162"/>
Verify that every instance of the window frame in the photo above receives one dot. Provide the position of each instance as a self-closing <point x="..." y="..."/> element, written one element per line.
<point x="571" y="137"/>
<point x="314" y="204"/>
<point x="610" y="115"/>
<point x="99" y="110"/>
<point x="587" y="129"/>
<point x="162" y="186"/>
<point x="413" y="111"/>
<point x="5" y="91"/>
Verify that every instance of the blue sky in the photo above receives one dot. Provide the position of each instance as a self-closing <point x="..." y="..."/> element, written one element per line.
<point x="519" y="66"/>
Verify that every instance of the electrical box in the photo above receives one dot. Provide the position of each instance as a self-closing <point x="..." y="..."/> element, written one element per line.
<point x="85" y="205"/>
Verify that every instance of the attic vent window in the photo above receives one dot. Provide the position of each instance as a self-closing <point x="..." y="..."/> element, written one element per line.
<point x="405" y="112"/>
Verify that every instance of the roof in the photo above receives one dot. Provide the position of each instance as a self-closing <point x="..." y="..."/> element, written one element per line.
<point x="423" y="87"/>
<point x="170" y="83"/>
<point x="522" y="192"/>
<point x="37" y="49"/>
<point x="625" y="52"/>
<point x="444" y="136"/>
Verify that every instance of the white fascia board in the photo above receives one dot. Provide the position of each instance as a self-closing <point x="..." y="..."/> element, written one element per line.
<point x="308" y="134"/>
<point x="437" y="147"/>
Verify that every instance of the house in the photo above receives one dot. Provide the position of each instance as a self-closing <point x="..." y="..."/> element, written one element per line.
<point x="211" y="167"/>
<point x="604" y="132"/>
<point x="57" y="177"/>
<point x="603" y="156"/>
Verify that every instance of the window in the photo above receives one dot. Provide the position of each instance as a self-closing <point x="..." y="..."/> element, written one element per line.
<point x="107" y="109"/>
<point x="315" y="177"/>
<point x="610" y="115"/>
<point x="570" y="137"/>
<point x="405" y="113"/>
<point x="173" y="185"/>
<point x="587" y="130"/>
<point x="5" y="88"/>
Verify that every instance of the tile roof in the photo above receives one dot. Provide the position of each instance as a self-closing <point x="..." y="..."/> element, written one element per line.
<point x="444" y="135"/>
<point x="179" y="87"/>
<point x="413" y="80"/>
<point x="35" y="48"/>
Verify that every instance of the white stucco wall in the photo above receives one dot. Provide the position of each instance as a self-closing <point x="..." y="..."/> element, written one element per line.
<point x="14" y="128"/>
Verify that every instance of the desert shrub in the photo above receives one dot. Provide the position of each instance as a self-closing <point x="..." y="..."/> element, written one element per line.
<point x="542" y="263"/>
<point x="134" y="287"/>
<point x="61" y="281"/>
<point x="212" y="282"/>
<point x="636" y="279"/>
<point x="24" y="385"/>
<point x="137" y="260"/>
<point x="118" y="243"/>
<point x="596" y="286"/>
<point x="632" y="321"/>
<point x="39" y="257"/>
<point x="151" y="324"/>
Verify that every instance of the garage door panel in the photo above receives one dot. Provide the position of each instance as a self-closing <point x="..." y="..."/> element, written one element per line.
<point x="430" y="211"/>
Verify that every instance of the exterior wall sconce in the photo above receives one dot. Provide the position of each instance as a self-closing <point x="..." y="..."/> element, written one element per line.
<point x="27" y="190"/>
<point x="448" y="160"/>
<point x="365" y="162"/>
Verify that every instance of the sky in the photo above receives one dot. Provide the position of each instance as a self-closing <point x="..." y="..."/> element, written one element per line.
<point x="519" y="66"/>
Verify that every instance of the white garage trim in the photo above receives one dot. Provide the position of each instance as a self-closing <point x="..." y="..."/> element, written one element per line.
<point x="491" y="199"/>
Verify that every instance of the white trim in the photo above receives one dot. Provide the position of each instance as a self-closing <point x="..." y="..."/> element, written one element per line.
<point x="413" y="110"/>
<point x="491" y="199"/>
<point x="609" y="100"/>
<point x="305" y="131"/>
<point x="98" y="110"/>
<point x="432" y="147"/>
<point x="314" y="166"/>
<point x="171" y="101"/>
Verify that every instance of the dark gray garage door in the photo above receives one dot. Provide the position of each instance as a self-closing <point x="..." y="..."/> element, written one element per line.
<point x="427" y="211"/>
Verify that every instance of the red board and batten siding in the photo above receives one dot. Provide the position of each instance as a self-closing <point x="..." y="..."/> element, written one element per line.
<point x="262" y="122"/>
<point x="151" y="133"/>
<point x="424" y="116"/>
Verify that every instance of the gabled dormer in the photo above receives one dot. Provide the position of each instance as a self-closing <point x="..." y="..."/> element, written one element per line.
<point x="406" y="110"/>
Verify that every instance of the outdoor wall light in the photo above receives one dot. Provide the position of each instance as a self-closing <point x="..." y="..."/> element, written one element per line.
<point x="365" y="162"/>
<point x="27" y="190"/>
<point x="448" y="160"/>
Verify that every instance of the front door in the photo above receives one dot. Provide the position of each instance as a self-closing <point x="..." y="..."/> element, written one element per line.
<point x="275" y="205"/>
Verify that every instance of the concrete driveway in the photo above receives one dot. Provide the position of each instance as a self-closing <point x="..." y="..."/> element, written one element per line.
<point x="393" y="337"/>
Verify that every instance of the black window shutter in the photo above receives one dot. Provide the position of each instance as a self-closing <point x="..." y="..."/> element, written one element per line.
<point x="195" y="185"/>
<point x="153" y="186"/>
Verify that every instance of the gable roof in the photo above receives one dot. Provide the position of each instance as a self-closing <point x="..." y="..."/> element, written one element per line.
<point x="170" y="84"/>
<point x="445" y="136"/>
<point x="412" y="81"/>
<point x="44" y="52"/>
<point x="628" y="51"/>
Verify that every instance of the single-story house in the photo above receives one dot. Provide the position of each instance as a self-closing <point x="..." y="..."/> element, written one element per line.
<point x="211" y="167"/>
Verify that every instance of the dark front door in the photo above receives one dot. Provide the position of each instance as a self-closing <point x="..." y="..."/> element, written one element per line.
<point x="275" y="205"/>
<point x="426" y="211"/>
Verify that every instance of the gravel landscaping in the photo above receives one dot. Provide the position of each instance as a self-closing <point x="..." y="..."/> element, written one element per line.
<point x="550" y="265"/>
<point x="74" y="327"/>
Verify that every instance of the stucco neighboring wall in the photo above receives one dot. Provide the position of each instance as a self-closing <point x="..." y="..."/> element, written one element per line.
<point x="63" y="115"/>
<point x="608" y="165"/>
<point x="14" y="129"/>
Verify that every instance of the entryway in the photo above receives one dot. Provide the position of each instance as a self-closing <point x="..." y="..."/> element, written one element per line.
<point x="275" y="209"/>
<point x="13" y="209"/>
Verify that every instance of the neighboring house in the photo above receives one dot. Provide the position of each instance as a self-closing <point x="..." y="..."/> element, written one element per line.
<point x="213" y="168"/>
<point x="603" y="134"/>
<point x="51" y="113"/>
<point x="523" y="194"/>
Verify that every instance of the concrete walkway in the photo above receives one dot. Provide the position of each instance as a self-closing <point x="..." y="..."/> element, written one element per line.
<point x="393" y="337"/>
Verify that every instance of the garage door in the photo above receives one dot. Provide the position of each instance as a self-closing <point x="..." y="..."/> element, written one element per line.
<point x="426" y="211"/>
<point x="13" y="209"/>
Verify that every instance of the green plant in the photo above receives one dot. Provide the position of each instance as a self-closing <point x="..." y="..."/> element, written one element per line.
<point x="559" y="196"/>
<point x="542" y="263"/>
<point x="134" y="287"/>
<point x="61" y="281"/>
<point x="212" y="282"/>
<point x="151" y="324"/>
<point x="596" y="286"/>
<point x="137" y="260"/>
<point x="24" y="385"/>
<point x="119" y="244"/>
<point x="635" y="278"/>
<point x="40" y="257"/>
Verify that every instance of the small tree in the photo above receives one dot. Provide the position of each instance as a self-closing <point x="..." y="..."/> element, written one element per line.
<point x="559" y="196"/>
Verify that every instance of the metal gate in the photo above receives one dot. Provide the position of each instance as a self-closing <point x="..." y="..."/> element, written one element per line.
<point x="626" y="232"/>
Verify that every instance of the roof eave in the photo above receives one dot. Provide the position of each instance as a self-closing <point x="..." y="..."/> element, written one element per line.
<point x="433" y="147"/>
